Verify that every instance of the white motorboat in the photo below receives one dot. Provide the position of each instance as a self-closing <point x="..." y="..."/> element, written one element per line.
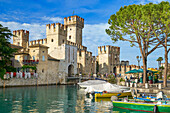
<point x="107" y="87"/>
<point x="88" y="83"/>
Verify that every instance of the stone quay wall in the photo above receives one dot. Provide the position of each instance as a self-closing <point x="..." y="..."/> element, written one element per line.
<point x="14" y="82"/>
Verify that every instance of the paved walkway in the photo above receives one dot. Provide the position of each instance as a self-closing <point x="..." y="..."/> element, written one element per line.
<point x="154" y="89"/>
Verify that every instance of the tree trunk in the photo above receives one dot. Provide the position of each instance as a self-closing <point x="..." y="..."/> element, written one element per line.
<point x="166" y="63"/>
<point x="166" y="68"/>
<point x="144" y="70"/>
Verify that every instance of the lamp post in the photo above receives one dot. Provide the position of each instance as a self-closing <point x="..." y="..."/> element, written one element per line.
<point x="138" y="59"/>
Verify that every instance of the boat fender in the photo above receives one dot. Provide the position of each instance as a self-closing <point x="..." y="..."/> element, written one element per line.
<point x="104" y="91"/>
<point x="155" y="109"/>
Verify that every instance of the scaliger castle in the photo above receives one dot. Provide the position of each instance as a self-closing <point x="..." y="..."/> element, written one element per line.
<point x="61" y="54"/>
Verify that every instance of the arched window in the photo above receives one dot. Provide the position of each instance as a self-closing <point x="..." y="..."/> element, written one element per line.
<point x="43" y="58"/>
<point x="52" y="40"/>
<point x="69" y="37"/>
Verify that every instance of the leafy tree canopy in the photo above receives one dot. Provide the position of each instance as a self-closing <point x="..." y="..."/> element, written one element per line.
<point x="140" y="25"/>
<point x="6" y="52"/>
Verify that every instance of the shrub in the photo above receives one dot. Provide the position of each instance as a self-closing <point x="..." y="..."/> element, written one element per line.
<point x="2" y="72"/>
<point x="111" y="79"/>
<point x="122" y="80"/>
<point x="10" y="69"/>
<point x="27" y="66"/>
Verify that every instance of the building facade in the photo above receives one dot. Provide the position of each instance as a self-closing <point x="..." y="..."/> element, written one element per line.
<point x="60" y="55"/>
<point x="108" y="59"/>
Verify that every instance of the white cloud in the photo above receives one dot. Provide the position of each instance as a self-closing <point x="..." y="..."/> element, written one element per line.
<point x="37" y="31"/>
<point x="53" y="19"/>
<point x="153" y="1"/>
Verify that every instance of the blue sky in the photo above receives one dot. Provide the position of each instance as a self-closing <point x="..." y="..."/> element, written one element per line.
<point x="33" y="15"/>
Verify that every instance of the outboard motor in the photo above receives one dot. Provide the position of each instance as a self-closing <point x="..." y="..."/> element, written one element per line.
<point x="160" y="95"/>
<point x="155" y="109"/>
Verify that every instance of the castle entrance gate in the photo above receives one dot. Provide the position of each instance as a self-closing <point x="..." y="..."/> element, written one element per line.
<point x="114" y="70"/>
<point x="70" y="70"/>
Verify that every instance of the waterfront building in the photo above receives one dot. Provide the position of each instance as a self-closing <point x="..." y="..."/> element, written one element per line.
<point x="59" y="55"/>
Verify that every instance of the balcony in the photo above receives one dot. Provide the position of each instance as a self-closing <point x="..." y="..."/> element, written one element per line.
<point x="29" y="62"/>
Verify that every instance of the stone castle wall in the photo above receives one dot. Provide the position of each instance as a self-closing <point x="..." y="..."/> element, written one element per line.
<point x="108" y="58"/>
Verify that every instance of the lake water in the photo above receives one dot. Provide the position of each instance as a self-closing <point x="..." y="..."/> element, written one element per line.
<point x="52" y="99"/>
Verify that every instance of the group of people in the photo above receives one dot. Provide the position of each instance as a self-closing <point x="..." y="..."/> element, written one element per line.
<point x="27" y="75"/>
<point x="19" y="74"/>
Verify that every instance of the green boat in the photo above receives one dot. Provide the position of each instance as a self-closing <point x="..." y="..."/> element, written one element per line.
<point x="141" y="106"/>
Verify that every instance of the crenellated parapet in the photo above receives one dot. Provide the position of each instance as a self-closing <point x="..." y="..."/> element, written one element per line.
<point x="40" y="41"/>
<point x="21" y="32"/>
<point x="80" y="47"/>
<point x="71" y="43"/>
<point x="128" y="66"/>
<point x="74" y="20"/>
<point x="93" y="59"/>
<point x="108" y="50"/>
<point x="21" y="38"/>
<point x="88" y="54"/>
<point x="85" y="53"/>
<point x="101" y="50"/>
<point x="56" y="28"/>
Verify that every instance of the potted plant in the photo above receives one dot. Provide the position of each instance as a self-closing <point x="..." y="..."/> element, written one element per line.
<point x="122" y="81"/>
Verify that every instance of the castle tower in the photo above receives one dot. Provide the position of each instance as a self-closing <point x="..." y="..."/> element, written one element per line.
<point x="21" y="38"/>
<point x="74" y="24"/>
<point x="108" y="58"/>
<point x="56" y="35"/>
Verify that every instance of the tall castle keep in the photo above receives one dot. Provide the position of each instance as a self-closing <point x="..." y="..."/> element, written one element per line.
<point x="74" y="25"/>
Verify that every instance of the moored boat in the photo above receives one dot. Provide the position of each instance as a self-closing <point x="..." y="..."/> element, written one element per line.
<point x="142" y="106"/>
<point x="105" y="87"/>
<point x="88" y="83"/>
<point x="110" y="94"/>
<point x="159" y="97"/>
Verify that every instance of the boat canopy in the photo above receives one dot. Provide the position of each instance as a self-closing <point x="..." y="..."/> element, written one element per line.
<point x="108" y="87"/>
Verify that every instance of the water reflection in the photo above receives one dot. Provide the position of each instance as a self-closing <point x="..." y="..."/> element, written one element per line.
<point x="51" y="99"/>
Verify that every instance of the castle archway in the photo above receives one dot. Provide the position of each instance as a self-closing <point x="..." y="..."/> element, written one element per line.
<point x="70" y="70"/>
<point x="114" y="70"/>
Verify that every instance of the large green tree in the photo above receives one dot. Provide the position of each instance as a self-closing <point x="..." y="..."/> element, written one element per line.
<point x="132" y="23"/>
<point x="162" y="31"/>
<point x="6" y="52"/>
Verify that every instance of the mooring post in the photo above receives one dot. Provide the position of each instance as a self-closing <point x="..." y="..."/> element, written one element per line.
<point x="4" y="84"/>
